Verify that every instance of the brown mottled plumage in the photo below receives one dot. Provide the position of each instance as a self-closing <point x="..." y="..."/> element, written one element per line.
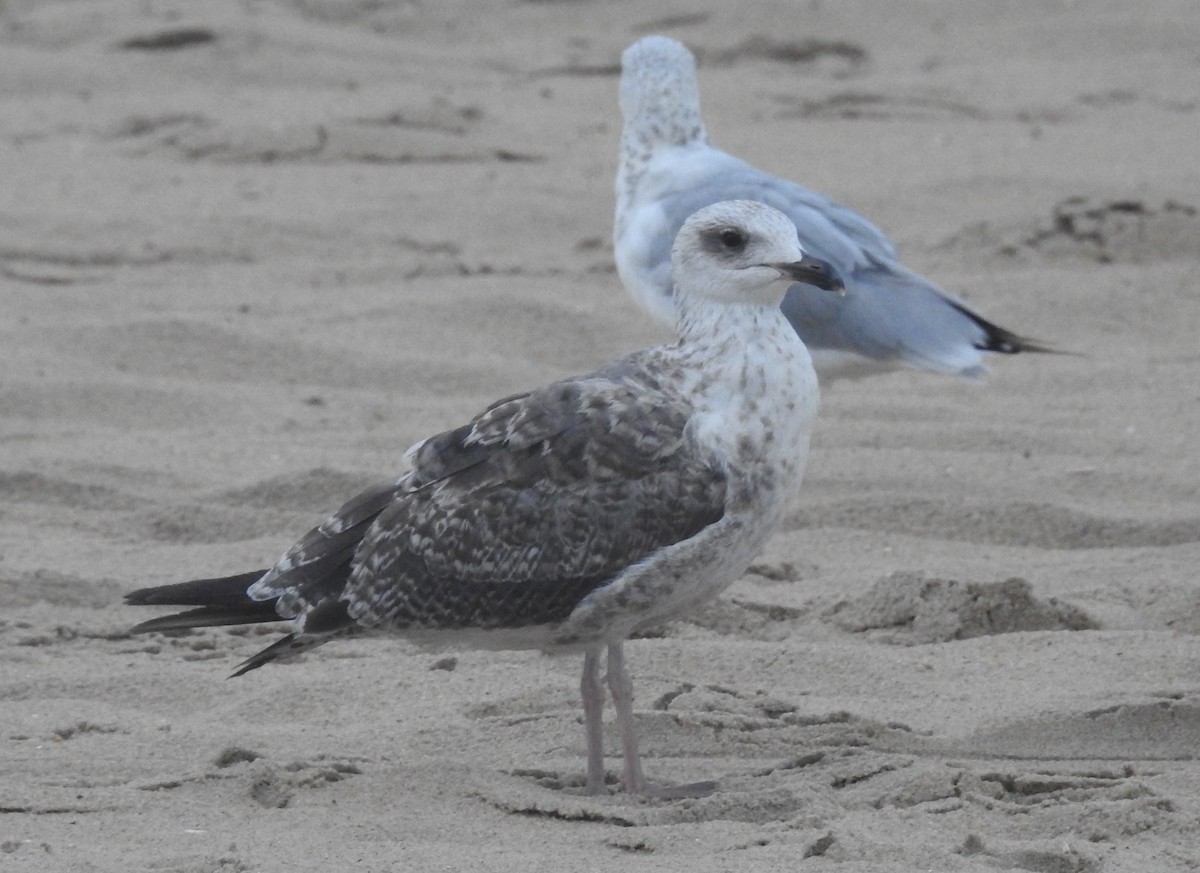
<point x="569" y="517"/>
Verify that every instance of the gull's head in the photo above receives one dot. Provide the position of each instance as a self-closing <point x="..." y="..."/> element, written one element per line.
<point x="659" y="96"/>
<point x="743" y="252"/>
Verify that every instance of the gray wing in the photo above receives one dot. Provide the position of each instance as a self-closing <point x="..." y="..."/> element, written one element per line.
<point x="510" y="520"/>
<point x="889" y="314"/>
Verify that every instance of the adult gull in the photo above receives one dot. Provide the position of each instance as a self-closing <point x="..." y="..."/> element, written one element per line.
<point x="571" y="517"/>
<point x="889" y="317"/>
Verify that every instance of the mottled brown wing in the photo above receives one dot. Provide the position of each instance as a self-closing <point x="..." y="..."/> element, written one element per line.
<point x="315" y="570"/>
<point x="538" y="502"/>
<point x="313" y="573"/>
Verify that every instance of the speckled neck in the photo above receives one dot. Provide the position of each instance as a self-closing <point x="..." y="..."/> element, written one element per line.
<point x="755" y="396"/>
<point x="701" y="324"/>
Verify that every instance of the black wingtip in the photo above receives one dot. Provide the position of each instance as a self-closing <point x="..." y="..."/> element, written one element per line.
<point x="1003" y="341"/>
<point x="208" y="617"/>
<point x="223" y="590"/>
<point x="217" y="602"/>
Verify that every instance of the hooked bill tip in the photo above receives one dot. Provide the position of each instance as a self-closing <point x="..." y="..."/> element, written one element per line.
<point x="815" y="272"/>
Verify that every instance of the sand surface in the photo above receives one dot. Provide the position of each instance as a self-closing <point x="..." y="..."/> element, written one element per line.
<point x="250" y="251"/>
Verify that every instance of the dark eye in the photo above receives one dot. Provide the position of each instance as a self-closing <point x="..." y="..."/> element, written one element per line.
<point x="733" y="240"/>
<point x="727" y="241"/>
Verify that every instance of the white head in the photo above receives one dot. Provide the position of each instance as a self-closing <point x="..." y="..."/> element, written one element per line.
<point x="659" y="96"/>
<point x="742" y="252"/>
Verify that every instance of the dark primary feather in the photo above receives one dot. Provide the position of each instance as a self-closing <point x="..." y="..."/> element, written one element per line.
<point x="508" y="521"/>
<point x="219" y="602"/>
<point x="224" y="591"/>
<point x="999" y="340"/>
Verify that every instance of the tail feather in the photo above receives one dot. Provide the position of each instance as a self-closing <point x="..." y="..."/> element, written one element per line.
<point x="327" y="620"/>
<point x="282" y="649"/>
<point x="224" y="601"/>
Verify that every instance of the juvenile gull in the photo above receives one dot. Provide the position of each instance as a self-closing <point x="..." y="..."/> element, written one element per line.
<point x="568" y="518"/>
<point x="889" y="317"/>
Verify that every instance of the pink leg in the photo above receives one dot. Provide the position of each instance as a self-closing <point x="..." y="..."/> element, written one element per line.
<point x="593" y="720"/>
<point x="621" y="688"/>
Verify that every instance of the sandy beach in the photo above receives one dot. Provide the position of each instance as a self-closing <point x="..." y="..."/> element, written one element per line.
<point x="250" y="252"/>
